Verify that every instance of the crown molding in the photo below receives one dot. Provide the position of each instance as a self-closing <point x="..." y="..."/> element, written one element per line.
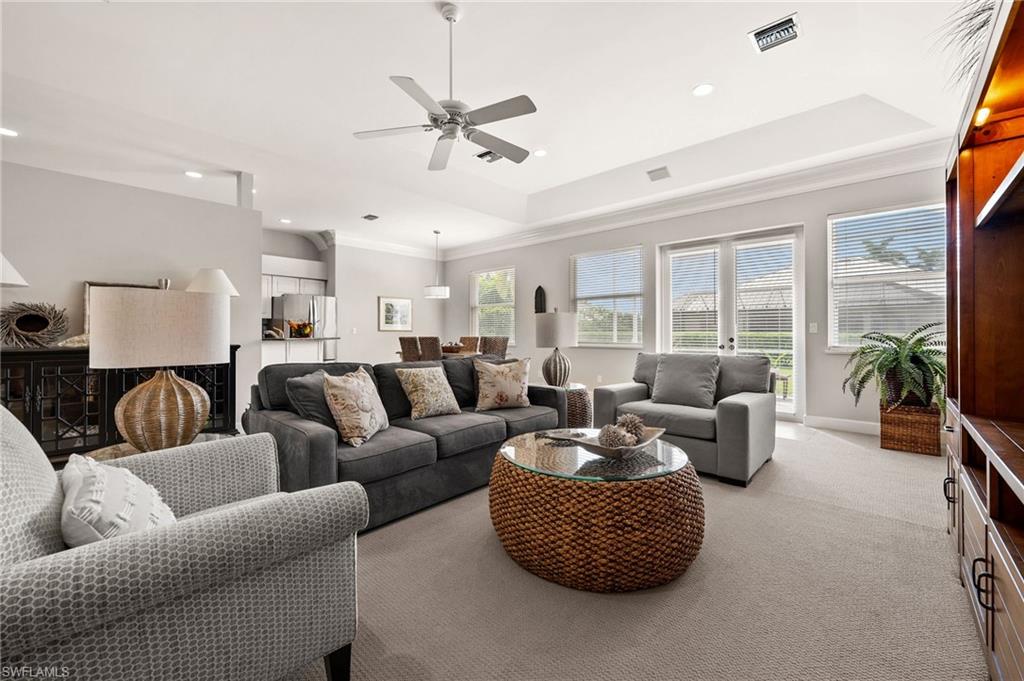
<point x="926" y="155"/>
<point x="333" y="239"/>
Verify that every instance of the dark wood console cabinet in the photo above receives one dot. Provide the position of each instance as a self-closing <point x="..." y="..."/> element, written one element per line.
<point x="984" y="430"/>
<point x="69" y="408"/>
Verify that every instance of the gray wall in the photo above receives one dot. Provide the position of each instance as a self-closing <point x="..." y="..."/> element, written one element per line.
<point x="360" y="276"/>
<point x="289" y="245"/>
<point x="61" y="230"/>
<point x="547" y="264"/>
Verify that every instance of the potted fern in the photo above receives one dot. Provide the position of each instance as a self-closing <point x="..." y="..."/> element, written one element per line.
<point x="910" y="374"/>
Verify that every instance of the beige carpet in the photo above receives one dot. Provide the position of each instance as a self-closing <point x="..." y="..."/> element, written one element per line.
<point x="833" y="564"/>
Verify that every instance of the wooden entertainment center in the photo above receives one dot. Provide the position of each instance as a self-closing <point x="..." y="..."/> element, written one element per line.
<point x="984" y="431"/>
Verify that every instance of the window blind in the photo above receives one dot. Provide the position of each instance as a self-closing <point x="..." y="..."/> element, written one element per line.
<point x="694" y="281"/>
<point x="887" y="272"/>
<point x="764" y="306"/>
<point x="608" y="296"/>
<point x="493" y="307"/>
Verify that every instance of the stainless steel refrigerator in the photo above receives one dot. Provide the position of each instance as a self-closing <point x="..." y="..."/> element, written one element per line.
<point x="320" y="311"/>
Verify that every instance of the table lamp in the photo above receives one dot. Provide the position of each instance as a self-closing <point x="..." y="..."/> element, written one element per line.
<point x="555" y="329"/>
<point x="136" y="328"/>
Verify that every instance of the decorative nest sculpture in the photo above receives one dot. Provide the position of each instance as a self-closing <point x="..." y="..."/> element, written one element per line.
<point x="32" y="325"/>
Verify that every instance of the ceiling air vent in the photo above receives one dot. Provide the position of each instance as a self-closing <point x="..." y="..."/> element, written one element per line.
<point x="371" y="217"/>
<point x="659" y="174"/>
<point x="489" y="156"/>
<point x="775" y="33"/>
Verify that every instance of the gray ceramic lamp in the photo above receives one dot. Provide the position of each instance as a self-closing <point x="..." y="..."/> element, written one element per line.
<point x="555" y="329"/>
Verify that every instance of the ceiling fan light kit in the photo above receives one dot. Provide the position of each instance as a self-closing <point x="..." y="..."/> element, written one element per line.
<point x="451" y="117"/>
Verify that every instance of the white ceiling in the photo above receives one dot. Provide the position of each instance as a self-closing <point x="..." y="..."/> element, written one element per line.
<point x="139" y="93"/>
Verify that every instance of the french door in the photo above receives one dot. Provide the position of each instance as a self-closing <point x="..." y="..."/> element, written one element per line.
<point x="735" y="297"/>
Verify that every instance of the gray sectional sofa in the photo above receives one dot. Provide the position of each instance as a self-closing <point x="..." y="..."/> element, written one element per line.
<point x="732" y="437"/>
<point x="414" y="463"/>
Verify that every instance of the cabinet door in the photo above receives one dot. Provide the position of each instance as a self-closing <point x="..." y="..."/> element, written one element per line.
<point x="266" y="293"/>
<point x="282" y="285"/>
<point x="273" y="352"/>
<point x="68" y="406"/>
<point x="16" y="390"/>
<point x="974" y="561"/>
<point x="316" y="287"/>
<point x="1007" y="614"/>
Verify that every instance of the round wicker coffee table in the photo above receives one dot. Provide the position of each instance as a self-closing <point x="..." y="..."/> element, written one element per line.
<point x="594" y="524"/>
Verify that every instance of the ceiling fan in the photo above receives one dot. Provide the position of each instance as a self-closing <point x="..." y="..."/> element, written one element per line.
<point x="450" y="116"/>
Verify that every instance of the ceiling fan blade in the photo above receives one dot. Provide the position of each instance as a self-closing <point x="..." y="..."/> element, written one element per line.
<point x="510" y="108"/>
<point x="386" y="132"/>
<point x="442" y="151"/>
<point x="497" y="145"/>
<point x="419" y="94"/>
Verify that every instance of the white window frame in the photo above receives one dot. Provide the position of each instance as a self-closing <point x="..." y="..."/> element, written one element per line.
<point x="573" y="300"/>
<point x="474" y="315"/>
<point x="832" y="217"/>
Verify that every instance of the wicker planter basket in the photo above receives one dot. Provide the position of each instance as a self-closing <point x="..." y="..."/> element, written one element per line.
<point x="911" y="429"/>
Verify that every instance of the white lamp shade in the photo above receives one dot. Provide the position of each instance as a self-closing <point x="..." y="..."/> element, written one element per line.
<point x="556" y="329"/>
<point x="10" y="277"/>
<point x="437" y="291"/>
<point x="131" y="328"/>
<point x="212" y="280"/>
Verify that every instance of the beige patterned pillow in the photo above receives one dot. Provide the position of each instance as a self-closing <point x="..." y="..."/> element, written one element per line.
<point x="355" y="405"/>
<point x="501" y="386"/>
<point x="428" y="392"/>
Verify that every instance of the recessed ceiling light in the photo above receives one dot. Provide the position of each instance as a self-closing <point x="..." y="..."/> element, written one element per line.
<point x="703" y="90"/>
<point x="7" y="132"/>
<point x="194" y="174"/>
<point x="982" y="116"/>
<point x="285" y="221"/>
<point x="540" y="152"/>
<point x="254" y="190"/>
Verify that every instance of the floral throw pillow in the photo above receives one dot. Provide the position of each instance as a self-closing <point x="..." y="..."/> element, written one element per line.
<point x="428" y="392"/>
<point x="355" y="405"/>
<point x="500" y="386"/>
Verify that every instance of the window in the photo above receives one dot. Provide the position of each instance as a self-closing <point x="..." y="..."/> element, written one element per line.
<point x="694" y="296"/>
<point x="608" y="296"/>
<point x="886" y="272"/>
<point x="493" y="309"/>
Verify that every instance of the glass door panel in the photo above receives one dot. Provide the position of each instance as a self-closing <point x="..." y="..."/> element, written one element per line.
<point x="694" y="296"/>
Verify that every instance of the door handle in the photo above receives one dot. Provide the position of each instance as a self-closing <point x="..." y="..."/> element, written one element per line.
<point x="974" y="571"/>
<point x="950" y="498"/>
<point x="721" y="347"/>
<point x="978" y="591"/>
<point x="948" y="429"/>
<point x="732" y="340"/>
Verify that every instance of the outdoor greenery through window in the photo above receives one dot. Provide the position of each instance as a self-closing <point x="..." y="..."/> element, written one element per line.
<point x="608" y="296"/>
<point x="887" y="272"/>
<point x="494" y="303"/>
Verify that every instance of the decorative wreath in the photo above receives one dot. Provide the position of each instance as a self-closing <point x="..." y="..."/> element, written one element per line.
<point x="32" y="325"/>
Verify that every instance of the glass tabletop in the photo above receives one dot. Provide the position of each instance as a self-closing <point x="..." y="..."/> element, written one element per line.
<point x="541" y="453"/>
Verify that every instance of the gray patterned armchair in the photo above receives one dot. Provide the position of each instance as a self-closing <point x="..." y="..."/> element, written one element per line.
<point x="251" y="583"/>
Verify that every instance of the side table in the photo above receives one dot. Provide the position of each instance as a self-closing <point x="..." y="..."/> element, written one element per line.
<point x="580" y="408"/>
<point x="124" y="449"/>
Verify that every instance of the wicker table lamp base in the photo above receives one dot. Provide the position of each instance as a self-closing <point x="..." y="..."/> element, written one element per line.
<point x="165" y="411"/>
<point x="604" y="536"/>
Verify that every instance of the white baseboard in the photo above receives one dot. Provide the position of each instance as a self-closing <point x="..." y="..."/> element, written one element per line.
<point x="848" y="425"/>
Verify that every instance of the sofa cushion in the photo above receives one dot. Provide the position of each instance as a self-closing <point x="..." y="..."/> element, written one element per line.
<point x="458" y="433"/>
<point x="428" y="392"/>
<point x="502" y="386"/>
<point x="355" y="406"/>
<point x="306" y="397"/>
<point x="271" y="379"/>
<point x="686" y="379"/>
<point x="462" y="376"/>
<point x="388" y="453"/>
<point x="646" y="368"/>
<point x="743" y="374"/>
<point x="530" y="419"/>
<point x="674" y="418"/>
<point x="390" y="388"/>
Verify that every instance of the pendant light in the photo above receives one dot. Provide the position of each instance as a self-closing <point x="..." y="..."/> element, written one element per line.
<point x="437" y="290"/>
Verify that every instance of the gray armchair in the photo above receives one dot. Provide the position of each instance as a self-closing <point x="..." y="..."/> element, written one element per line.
<point x="251" y="583"/>
<point x="731" y="440"/>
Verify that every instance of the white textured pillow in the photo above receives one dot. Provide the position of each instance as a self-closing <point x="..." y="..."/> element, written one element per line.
<point x="103" y="501"/>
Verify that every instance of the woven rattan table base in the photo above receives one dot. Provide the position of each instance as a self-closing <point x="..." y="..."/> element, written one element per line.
<point x="579" y="407"/>
<point x="598" y="536"/>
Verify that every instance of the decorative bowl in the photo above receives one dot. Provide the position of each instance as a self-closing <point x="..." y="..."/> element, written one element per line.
<point x="591" y="444"/>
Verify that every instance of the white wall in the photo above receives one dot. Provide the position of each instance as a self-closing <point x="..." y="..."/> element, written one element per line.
<point x="289" y="245"/>
<point x="61" y="230"/>
<point x="547" y="265"/>
<point x="360" y="276"/>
